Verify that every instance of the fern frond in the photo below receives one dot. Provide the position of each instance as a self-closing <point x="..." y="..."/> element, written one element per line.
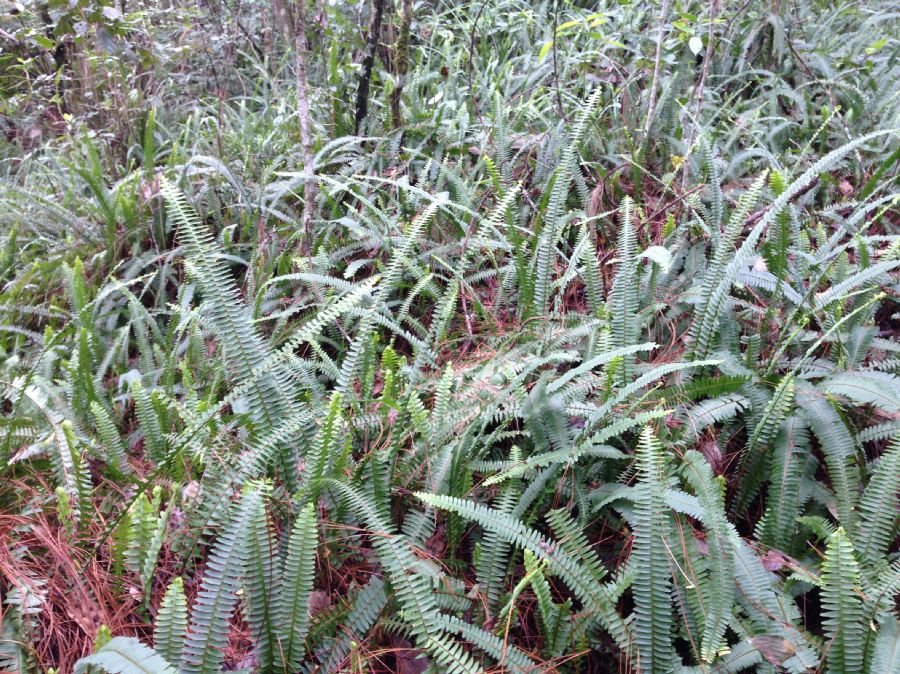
<point x="623" y="299"/>
<point x="114" y="448"/>
<point x="650" y="559"/>
<point x="839" y="448"/>
<point x="886" y="653"/>
<point x="170" y="627"/>
<point x="580" y="580"/>
<point x="204" y="649"/>
<point x="867" y="387"/>
<point x="412" y="590"/>
<point x="842" y="606"/>
<point x="878" y="518"/>
<point x="262" y="587"/>
<point x="783" y="496"/>
<point x="296" y="584"/>
<point x="718" y="590"/>
<point x="125" y="655"/>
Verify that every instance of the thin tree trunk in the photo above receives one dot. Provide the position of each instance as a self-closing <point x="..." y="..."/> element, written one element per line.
<point x="707" y="58"/>
<point x="309" y="183"/>
<point x="401" y="61"/>
<point x="362" y="93"/>
<point x="651" y="105"/>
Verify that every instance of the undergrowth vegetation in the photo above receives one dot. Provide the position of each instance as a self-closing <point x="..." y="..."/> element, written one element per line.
<point x="450" y="337"/>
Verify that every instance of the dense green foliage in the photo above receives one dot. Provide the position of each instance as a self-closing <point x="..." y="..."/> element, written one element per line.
<point x="460" y="337"/>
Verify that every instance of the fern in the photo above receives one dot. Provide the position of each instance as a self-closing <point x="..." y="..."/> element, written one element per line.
<point x="368" y="602"/>
<point x="718" y="590"/>
<point x="261" y="586"/>
<point x="411" y="589"/>
<point x="715" y="281"/>
<point x="623" y="299"/>
<point x="217" y="597"/>
<point x="114" y="448"/>
<point x="170" y="628"/>
<point x="650" y="558"/>
<point x="841" y="605"/>
<point x="297" y="576"/>
<point x="125" y="655"/>
<point x="791" y="450"/>
<point x="839" y="449"/>
<point x="877" y="508"/>
<point x="581" y="580"/>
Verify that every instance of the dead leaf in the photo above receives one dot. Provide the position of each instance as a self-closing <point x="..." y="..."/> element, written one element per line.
<point x="774" y="649"/>
<point x="774" y="560"/>
<point x="410" y="660"/>
<point x="318" y="601"/>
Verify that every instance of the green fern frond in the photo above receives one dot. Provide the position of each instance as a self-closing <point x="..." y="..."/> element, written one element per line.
<point x="718" y="590"/>
<point x="886" y="652"/>
<point x="262" y="587"/>
<point x="650" y="559"/>
<point x="783" y="496"/>
<point x="839" y="448"/>
<point x="170" y="627"/>
<point x="580" y="580"/>
<point x="623" y="299"/>
<point x="125" y="655"/>
<point x="204" y="649"/>
<point x="113" y="446"/>
<point x="878" y="518"/>
<point x="842" y="606"/>
<point x="297" y="578"/>
<point x="410" y="588"/>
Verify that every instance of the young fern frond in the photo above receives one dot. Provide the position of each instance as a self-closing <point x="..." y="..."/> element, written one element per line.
<point x="651" y="560"/>
<point x="842" y="606"/>
<point x="170" y="627"/>
<point x="297" y="576"/>
<point x="623" y="299"/>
